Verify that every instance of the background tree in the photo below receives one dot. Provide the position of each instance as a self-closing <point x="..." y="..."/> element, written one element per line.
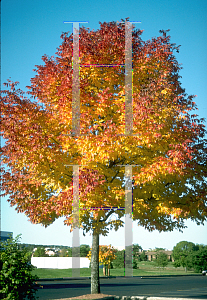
<point x="118" y="262"/>
<point x="136" y="251"/>
<point x="107" y="254"/>
<point x="161" y="259"/>
<point x="168" y="146"/>
<point x="142" y="256"/>
<point x="65" y="252"/>
<point x="182" y="254"/>
<point x="199" y="259"/>
<point x="15" y="272"/>
<point x="157" y="249"/>
<point x="84" y="250"/>
<point x="40" y="252"/>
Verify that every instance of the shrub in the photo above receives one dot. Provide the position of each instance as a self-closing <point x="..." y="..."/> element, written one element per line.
<point x="15" y="272"/>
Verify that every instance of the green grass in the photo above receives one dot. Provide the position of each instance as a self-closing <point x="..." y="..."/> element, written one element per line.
<point x="145" y="269"/>
<point x="59" y="273"/>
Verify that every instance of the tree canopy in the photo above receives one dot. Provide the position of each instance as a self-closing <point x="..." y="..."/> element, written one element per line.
<point x="182" y="254"/>
<point x="161" y="259"/>
<point x="189" y="255"/>
<point x="168" y="148"/>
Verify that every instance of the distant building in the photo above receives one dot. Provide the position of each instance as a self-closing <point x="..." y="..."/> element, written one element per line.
<point x="152" y="255"/>
<point x="5" y="235"/>
<point x="49" y="252"/>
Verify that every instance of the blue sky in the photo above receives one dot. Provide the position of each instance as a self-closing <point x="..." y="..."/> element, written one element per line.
<point x="30" y="29"/>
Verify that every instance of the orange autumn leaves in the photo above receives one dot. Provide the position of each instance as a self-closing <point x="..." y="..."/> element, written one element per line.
<point x="168" y="147"/>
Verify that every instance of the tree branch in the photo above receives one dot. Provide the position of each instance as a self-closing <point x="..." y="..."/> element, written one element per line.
<point x="108" y="215"/>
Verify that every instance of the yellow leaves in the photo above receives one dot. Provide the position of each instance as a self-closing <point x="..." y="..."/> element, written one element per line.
<point x="157" y="122"/>
<point x="106" y="254"/>
<point x="116" y="224"/>
<point x="164" y="91"/>
<point x="176" y="212"/>
<point x="163" y="209"/>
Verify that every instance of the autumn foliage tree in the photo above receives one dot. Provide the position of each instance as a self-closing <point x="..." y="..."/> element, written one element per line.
<point x="106" y="255"/>
<point x="168" y="144"/>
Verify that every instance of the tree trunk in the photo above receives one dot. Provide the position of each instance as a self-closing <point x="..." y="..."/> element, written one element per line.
<point x="104" y="270"/>
<point x="108" y="271"/>
<point x="95" y="284"/>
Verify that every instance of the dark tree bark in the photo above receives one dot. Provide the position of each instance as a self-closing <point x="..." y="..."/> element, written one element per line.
<point x="95" y="284"/>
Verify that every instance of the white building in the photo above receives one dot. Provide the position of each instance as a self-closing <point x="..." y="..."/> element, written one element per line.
<point x="58" y="262"/>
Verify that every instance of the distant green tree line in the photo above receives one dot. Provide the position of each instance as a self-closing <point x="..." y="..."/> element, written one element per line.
<point x="63" y="252"/>
<point x="186" y="254"/>
<point x="190" y="256"/>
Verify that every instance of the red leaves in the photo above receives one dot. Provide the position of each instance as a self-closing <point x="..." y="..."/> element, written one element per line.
<point x="167" y="147"/>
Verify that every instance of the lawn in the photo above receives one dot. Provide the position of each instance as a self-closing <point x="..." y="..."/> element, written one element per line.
<point x="145" y="269"/>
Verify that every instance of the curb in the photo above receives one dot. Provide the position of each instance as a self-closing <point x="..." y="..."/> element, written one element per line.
<point x="108" y="277"/>
<point x="165" y="298"/>
<point x="135" y="298"/>
<point x="72" y="278"/>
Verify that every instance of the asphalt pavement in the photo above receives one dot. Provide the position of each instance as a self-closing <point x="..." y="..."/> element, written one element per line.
<point x="189" y="287"/>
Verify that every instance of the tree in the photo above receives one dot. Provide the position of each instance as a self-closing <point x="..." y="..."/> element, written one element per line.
<point x="17" y="282"/>
<point x="84" y="250"/>
<point x="136" y="251"/>
<point x="161" y="259"/>
<point x="157" y="249"/>
<point x="199" y="259"/>
<point x="182" y="254"/>
<point x="107" y="254"/>
<point x="40" y="252"/>
<point x="65" y="252"/>
<point x="168" y="146"/>
<point x="142" y="256"/>
<point x="119" y="260"/>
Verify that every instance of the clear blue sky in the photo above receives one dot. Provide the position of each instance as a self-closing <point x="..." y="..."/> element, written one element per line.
<point x="30" y="29"/>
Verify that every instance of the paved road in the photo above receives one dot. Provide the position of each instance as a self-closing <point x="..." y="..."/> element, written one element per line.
<point x="179" y="287"/>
